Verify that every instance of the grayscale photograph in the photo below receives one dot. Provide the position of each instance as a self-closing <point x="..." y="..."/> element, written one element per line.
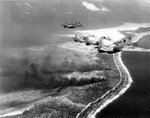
<point x="74" y="58"/>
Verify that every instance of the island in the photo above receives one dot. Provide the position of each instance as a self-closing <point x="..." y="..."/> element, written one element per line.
<point x="77" y="86"/>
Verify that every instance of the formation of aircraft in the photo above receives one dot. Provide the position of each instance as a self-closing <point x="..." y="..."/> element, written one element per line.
<point x="72" y="25"/>
<point x="104" y="43"/>
<point x="88" y="39"/>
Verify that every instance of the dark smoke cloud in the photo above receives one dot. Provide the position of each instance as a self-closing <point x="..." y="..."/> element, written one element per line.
<point x="24" y="71"/>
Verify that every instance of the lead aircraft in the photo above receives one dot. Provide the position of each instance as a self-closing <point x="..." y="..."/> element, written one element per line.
<point x="72" y="25"/>
<point x="105" y="44"/>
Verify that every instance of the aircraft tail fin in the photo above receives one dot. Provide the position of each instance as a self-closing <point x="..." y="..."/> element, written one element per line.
<point x="129" y="40"/>
<point x="100" y="43"/>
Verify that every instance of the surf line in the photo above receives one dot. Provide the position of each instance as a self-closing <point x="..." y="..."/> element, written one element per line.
<point x="94" y="107"/>
<point x="138" y="36"/>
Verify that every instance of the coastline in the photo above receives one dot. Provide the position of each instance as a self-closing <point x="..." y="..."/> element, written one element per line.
<point x="140" y="35"/>
<point x="91" y="110"/>
<point x="125" y="82"/>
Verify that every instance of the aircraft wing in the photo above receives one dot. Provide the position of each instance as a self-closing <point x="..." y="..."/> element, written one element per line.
<point x="106" y="49"/>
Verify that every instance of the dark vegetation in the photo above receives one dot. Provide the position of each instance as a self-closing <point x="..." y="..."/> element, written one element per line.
<point x="55" y="108"/>
<point x="91" y="93"/>
<point x="51" y="109"/>
<point x="108" y="59"/>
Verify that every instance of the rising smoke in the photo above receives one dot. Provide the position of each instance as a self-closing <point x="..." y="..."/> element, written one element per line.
<point x="24" y="72"/>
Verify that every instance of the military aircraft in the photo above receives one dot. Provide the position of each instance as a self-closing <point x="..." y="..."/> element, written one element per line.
<point x="86" y="38"/>
<point x="110" y="46"/>
<point x="80" y="38"/>
<point x="72" y="25"/>
<point x="94" y="40"/>
<point x="105" y="44"/>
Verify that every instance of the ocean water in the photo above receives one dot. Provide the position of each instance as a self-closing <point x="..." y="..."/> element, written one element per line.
<point x="144" y="42"/>
<point x="135" y="102"/>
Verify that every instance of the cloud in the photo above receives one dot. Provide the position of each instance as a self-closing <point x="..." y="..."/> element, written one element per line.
<point x="90" y="6"/>
<point x="104" y="9"/>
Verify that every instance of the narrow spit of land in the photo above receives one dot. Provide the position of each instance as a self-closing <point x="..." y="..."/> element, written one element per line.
<point x="125" y="81"/>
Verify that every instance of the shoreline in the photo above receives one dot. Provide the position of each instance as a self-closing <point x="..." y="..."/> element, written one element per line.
<point x="140" y="35"/>
<point x="94" y="107"/>
<point x="122" y="87"/>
